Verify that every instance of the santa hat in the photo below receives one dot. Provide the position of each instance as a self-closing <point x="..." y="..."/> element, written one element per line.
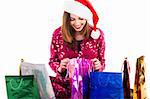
<point x="83" y="9"/>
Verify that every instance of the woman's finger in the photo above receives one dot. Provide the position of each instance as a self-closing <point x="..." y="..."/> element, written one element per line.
<point x="96" y="63"/>
<point x="95" y="59"/>
<point x="65" y="60"/>
<point x="63" y="64"/>
<point x="96" y="67"/>
<point x="63" y="67"/>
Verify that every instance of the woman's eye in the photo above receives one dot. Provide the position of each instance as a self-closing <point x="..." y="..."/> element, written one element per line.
<point x="80" y="18"/>
<point x="72" y="19"/>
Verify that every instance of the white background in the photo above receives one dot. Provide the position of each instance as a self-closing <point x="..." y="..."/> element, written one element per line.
<point x="26" y="27"/>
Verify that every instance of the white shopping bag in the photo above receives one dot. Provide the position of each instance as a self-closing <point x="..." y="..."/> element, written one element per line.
<point x="42" y="78"/>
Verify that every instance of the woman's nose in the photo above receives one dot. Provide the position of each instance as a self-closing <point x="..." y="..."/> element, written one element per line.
<point x="77" y="22"/>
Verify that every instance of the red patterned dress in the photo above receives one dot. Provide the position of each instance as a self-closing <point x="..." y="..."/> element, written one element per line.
<point x="59" y="49"/>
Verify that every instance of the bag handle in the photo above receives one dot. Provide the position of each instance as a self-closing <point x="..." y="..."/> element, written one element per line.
<point x="22" y="60"/>
<point x="16" y="88"/>
<point x="21" y="81"/>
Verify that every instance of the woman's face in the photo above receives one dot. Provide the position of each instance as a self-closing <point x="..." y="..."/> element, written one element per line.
<point x="77" y="23"/>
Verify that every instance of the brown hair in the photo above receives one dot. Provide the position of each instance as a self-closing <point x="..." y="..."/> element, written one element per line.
<point x="68" y="31"/>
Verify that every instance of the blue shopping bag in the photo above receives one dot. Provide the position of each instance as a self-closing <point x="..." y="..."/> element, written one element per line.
<point x="106" y="85"/>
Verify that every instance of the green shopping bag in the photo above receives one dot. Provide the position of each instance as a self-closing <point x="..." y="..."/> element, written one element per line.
<point x="22" y="87"/>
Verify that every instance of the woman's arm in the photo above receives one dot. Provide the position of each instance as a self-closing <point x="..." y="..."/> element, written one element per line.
<point x="54" y="60"/>
<point x="57" y="62"/>
<point x="101" y="50"/>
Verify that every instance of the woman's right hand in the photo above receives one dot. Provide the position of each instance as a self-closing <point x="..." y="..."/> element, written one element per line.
<point x="63" y="64"/>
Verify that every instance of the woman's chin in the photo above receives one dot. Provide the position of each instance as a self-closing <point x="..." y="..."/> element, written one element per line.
<point x="78" y="30"/>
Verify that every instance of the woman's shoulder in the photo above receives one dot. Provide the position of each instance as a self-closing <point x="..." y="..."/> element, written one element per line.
<point x="101" y="32"/>
<point x="57" y="32"/>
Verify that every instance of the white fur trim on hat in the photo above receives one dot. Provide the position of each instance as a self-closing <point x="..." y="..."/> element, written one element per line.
<point x="95" y="34"/>
<point x="78" y="9"/>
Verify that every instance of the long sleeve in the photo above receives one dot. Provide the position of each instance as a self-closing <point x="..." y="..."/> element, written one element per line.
<point x="54" y="61"/>
<point x="57" y="52"/>
<point x="55" y="49"/>
<point x="101" y="49"/>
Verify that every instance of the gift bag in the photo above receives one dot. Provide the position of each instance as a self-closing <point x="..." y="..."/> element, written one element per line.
<point x="80" y="77"/>
<point x="106" y="85"/>
<point x="61" y="86"/>
<point x="42" y="78"/>
<point x="21" y="87"/>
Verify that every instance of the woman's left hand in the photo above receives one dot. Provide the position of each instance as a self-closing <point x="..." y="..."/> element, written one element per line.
<point x="96" y="63"/>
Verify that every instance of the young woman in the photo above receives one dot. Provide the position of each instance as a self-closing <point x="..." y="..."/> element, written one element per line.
<point x="75" y="38"/>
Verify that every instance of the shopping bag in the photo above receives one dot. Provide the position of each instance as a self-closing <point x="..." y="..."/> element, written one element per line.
<point x="21" y="87"/>
<point x="61" y="86"/>
<point x="42" y="78"/>
<point x="80" y="77"/>
<point x="106" y="85"/>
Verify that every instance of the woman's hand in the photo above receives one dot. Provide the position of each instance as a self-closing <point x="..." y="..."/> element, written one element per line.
<point x="96" y="63"/>
<point x="63" y="64"/>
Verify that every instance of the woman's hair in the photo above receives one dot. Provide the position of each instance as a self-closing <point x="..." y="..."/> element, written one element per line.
<point x="68" y="31"/>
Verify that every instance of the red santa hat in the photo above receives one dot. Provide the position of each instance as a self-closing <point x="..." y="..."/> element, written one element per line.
<point x="83" y="9"/>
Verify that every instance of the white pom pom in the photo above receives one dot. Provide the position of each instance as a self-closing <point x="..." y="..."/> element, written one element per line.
<point x="95" y="34"/>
